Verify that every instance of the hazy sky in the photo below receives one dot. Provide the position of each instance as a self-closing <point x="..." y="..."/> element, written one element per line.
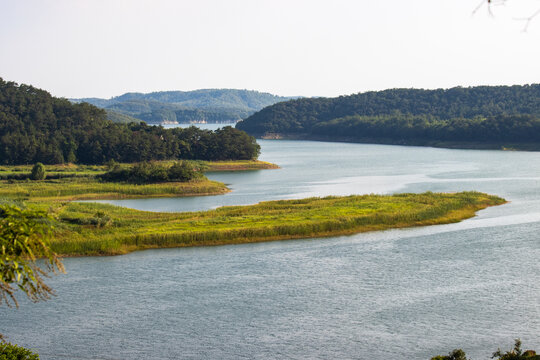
<point x="103" y="48"/>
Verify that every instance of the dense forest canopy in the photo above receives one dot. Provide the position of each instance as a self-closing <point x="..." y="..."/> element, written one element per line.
<point x="210" y="105"/>
<point x="483" y="113"/>
<point x="409" y="129"/>
<point x="37" y="127"/>
<point x="117" y="117"/>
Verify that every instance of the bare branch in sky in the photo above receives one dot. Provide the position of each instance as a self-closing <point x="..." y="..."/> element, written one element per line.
<point x="529" y="19"/>
<point x="490" y="3"/>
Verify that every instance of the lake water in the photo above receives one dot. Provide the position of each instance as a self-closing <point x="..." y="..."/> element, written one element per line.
<point x="399" y="294"/>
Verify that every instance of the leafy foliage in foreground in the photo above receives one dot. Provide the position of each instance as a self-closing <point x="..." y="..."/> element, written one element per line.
<point x="515" y="354"/>
<point x="24" y="239"/>
<point x="14" y="352"/>
<point x="36" y="127"/>
<point x="456" y="354"/>
<point x="273" y="220"/>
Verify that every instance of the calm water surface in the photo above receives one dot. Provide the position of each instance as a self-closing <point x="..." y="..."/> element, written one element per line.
<point x="399" y="294"/>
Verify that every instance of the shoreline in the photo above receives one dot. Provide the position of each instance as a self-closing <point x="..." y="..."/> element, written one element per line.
<point x="239" y="165"/>
<point x="501" y="146"/>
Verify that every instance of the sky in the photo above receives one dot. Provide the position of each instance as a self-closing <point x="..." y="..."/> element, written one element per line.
<point x="104" y="48"/>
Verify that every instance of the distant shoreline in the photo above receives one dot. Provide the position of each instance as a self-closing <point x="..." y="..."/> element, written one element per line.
<point x="464" y="145"/>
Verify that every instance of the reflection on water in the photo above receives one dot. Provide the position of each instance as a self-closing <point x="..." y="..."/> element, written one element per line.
<point x="396" y="294"/>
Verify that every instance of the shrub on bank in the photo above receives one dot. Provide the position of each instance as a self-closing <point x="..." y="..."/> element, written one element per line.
<point x="38" y="172"/>
<point x="149" y="172"/>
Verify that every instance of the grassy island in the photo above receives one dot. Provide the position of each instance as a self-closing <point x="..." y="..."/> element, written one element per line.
<point x="99" y="229"/>
<point x="73" y="189"/>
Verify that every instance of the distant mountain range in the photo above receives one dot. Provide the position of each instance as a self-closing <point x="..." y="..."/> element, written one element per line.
<point x="198" y="106"/>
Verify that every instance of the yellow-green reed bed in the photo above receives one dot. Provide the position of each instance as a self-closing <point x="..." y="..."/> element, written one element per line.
<point x="64" y="169"/>
<point x="227" y="165"/>
<point x="237" y="165"/>
<point x="81" y="182"/>
<point x="99" y="229"/>
<point x="90" y="170"/>
<point x="90" y="188"/>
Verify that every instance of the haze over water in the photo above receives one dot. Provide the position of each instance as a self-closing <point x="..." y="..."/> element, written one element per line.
<point x="399" y="294"/>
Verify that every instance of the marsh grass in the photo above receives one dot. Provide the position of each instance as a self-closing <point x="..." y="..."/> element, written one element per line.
<point x="92" y="170"/>
<point x="81" y="182"/>
<point x="89" y="188"/>
<point x="237" y="165"/>
<point x="100" y="229"/>
<point x="128" y="230"/>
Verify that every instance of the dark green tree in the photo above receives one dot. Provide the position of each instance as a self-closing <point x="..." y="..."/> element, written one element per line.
<point x="38" y="172"/>
<point x="181" y="171"/>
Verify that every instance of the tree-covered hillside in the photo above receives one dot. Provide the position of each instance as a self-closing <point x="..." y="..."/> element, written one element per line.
<point x="484" y="113"/>
<point x="37" y="127"/>
<point x="117" y="117"/>
<point x="210" y="105"/>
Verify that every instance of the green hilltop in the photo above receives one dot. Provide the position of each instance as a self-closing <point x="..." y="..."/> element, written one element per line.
<point x="482" y="116"/>
<point x="37" y="127"/>
<point x="198" y="106"/>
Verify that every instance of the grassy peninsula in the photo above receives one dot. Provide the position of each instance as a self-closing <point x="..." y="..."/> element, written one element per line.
<point x="69" y="182"/>
<point x="100" y="229"/>
<point x="83" y="188"/>
<point x="236" y="165"/>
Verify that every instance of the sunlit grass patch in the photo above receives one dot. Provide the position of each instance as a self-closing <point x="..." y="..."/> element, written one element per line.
<point x="130" y="230"/>
<point x="93" y="189"/>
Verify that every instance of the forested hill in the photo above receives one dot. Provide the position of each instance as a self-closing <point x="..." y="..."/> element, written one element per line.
<point x="483" y="114"/>
<point x="209" y="105"/>
<point x="35" y="126"/>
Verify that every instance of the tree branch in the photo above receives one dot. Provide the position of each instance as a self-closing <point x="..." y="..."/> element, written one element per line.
<point x="490" y="3"/>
